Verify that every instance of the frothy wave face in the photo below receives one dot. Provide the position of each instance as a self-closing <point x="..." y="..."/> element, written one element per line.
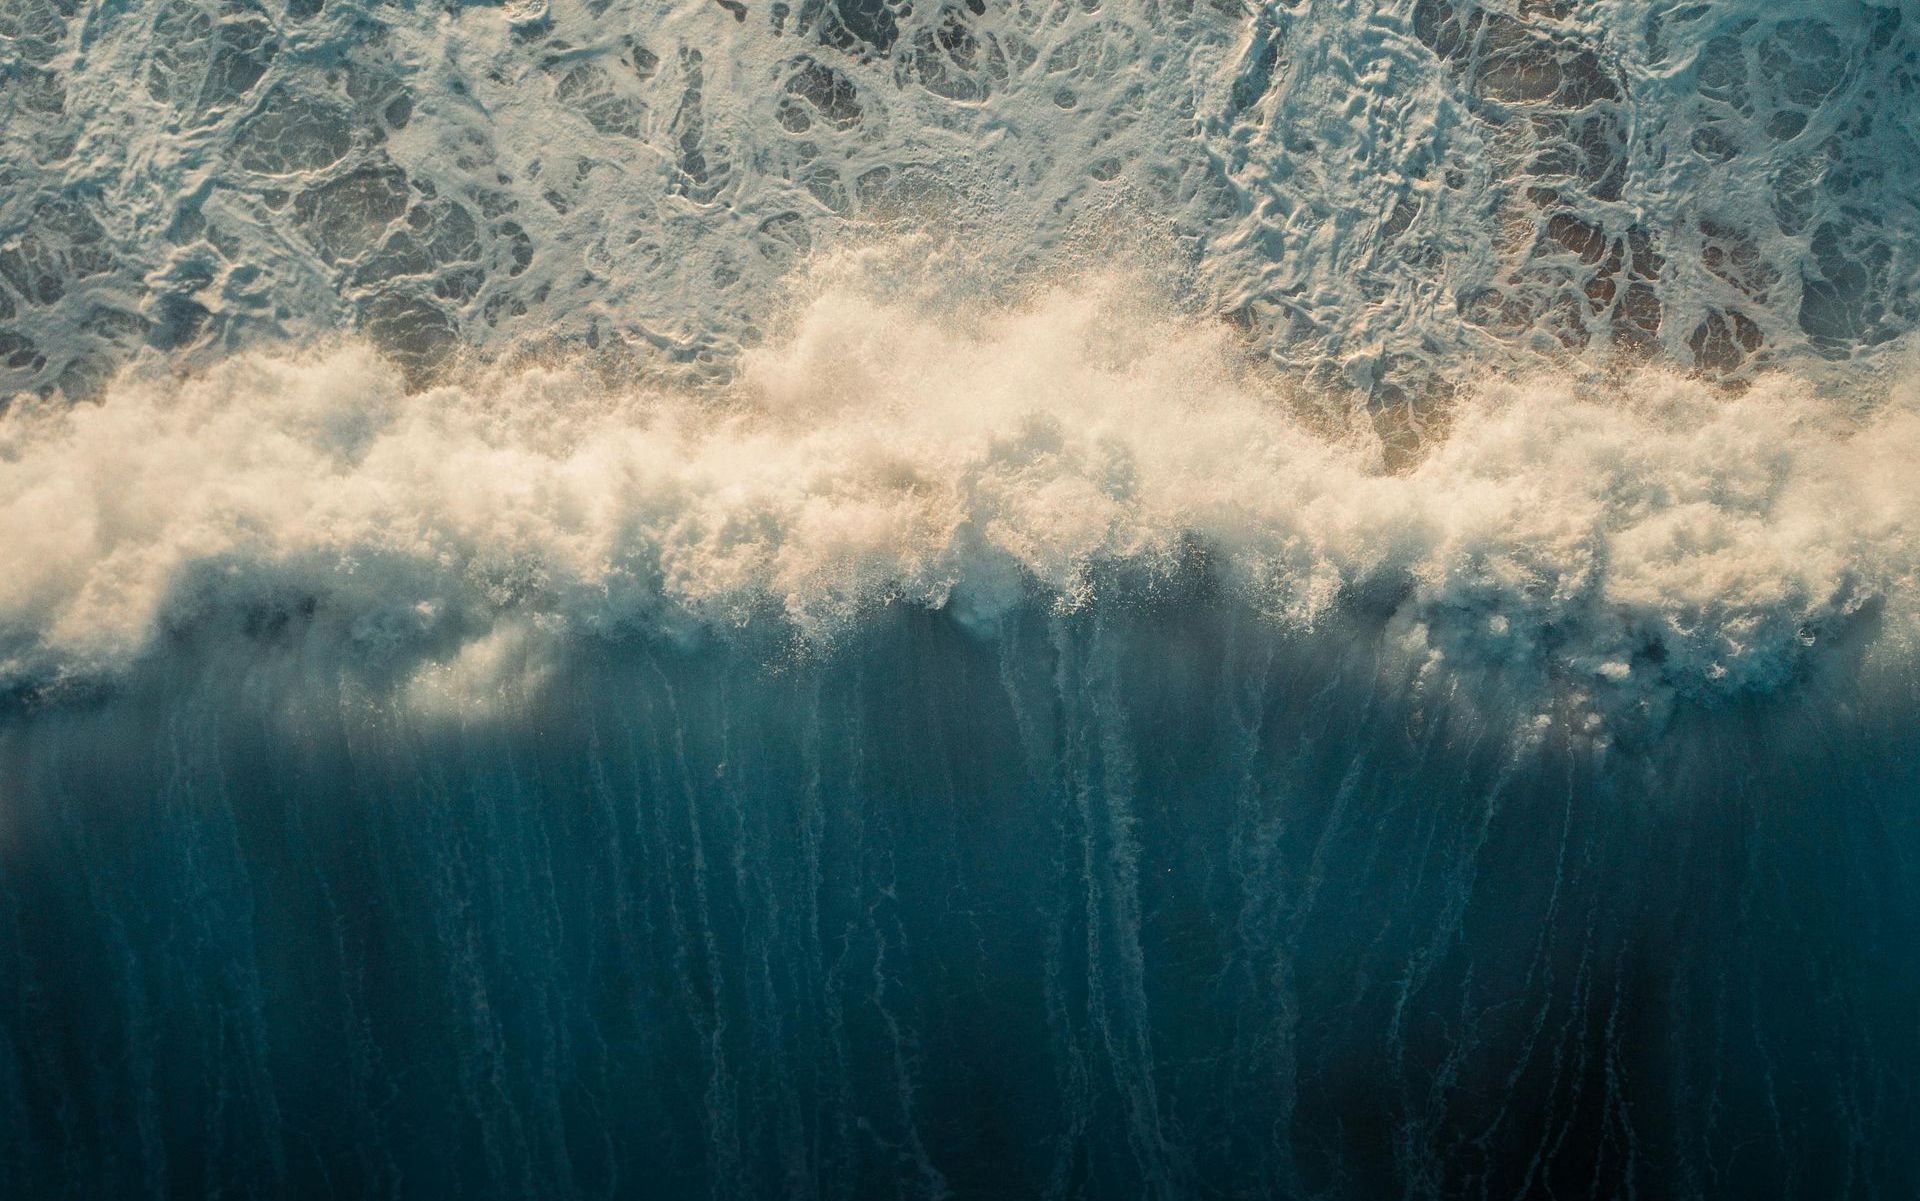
<point x="1632" y="543"/>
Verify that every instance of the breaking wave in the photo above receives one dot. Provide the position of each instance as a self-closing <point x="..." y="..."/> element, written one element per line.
<point x="1621" y="543"/>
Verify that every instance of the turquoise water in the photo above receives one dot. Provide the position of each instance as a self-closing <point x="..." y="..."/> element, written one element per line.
<point x="1145" y="901"/>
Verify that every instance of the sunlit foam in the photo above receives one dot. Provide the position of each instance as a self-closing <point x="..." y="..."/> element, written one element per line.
<point x="1637" y="545"/>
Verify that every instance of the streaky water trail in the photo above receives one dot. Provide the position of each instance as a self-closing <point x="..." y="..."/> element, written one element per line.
<point x="1152" y="898"/>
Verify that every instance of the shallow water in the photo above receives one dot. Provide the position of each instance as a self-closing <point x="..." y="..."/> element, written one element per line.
<point x="1371" y="191"/>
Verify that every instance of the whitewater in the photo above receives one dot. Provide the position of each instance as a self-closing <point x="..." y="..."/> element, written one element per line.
<point x="845" y="599"/>
<point x="1669" y="543"/>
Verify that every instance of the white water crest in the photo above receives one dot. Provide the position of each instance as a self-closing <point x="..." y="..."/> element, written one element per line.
<point x="1630" y="539"/>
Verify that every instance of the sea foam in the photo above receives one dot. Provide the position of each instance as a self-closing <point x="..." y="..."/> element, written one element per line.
<point x="1629" y="540"/>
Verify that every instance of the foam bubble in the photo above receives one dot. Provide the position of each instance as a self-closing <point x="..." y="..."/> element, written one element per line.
<point x="1652" y="540"/>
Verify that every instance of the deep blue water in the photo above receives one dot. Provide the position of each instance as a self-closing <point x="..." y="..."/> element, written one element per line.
<point x="1145" y="901"/>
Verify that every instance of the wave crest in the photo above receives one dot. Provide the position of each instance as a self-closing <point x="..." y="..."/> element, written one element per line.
<point x="1631" y="543"/>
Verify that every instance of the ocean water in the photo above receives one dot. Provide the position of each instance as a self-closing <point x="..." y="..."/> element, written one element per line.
<point x="850" y="599"/>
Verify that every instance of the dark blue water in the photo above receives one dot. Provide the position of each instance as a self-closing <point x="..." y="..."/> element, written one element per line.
<point x="1149" y="900"/>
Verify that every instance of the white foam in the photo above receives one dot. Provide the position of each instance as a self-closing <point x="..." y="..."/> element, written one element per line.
<point x="1658" y="536"/>
<point x="1373" y="190"/>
